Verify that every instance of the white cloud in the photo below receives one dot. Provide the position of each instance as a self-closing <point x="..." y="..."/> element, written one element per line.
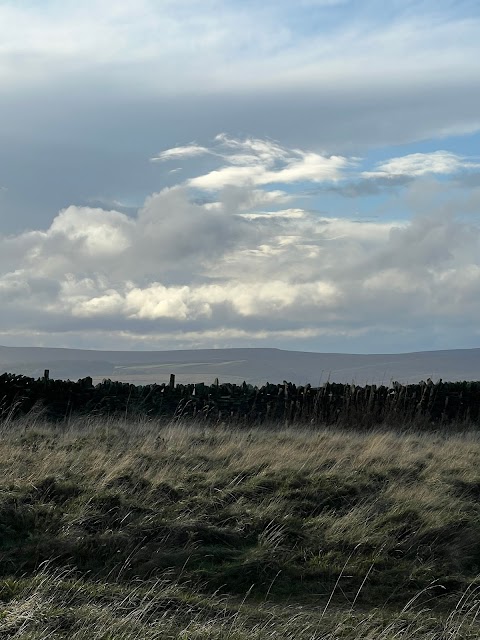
<point x="287" y="214"/>
<point x="156" y="301"/>
<point x="235" y="176"/>
<point x="254" y="162"/>
<point x="310" y="167"/>
<point x="94" y="231"/>
<point x="176" y="153"/>
<point x="278" y="275"/>
<point x="267" y="151"/>
<point x="420" y="164"/>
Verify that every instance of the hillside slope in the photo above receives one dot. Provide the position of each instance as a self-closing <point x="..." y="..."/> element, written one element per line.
<point x="255" y="366"/>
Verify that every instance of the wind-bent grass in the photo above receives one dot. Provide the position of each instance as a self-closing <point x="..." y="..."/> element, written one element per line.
<point x="122" y="530"/>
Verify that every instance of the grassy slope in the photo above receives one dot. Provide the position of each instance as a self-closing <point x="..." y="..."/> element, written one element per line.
<point x="138" y="530"/>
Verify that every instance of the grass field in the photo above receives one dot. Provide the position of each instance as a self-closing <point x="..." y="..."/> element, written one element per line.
<point x="118" y="530"/>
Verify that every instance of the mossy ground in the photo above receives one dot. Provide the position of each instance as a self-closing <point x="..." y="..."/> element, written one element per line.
<point x="138" y="529"/>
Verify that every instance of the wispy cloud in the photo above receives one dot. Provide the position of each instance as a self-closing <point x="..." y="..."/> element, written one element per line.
<point x="175" y="153"/>
<point x="254" y="162"/>
<point x="257" y="162"/>
<point x="420" y="164"/>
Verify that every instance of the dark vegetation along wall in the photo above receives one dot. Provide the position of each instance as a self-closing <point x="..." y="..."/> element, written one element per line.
<point x="424" y="403"/>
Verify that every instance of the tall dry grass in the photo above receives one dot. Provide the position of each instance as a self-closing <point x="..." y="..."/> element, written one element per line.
<point x="118" y="529"/>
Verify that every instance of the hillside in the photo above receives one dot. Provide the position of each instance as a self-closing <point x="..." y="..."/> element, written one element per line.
<point x="255" y="366"/>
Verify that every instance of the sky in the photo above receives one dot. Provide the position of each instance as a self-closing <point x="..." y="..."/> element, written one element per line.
<point x="300" y="174"/>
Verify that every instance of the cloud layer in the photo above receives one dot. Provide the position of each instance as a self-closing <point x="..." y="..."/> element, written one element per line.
<point x="244" y="267"/>
<point x="339" y="211"/>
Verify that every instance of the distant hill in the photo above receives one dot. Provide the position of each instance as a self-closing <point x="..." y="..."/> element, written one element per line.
<point x="255" y="366"/>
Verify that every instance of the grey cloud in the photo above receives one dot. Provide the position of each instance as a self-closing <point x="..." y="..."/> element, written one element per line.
<point x="471" y="180"/>
<point x="426" y="242"/>
<point x="368" y="186"/>
<point x="176" y="235"/>
<point x="167" y="239"/>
